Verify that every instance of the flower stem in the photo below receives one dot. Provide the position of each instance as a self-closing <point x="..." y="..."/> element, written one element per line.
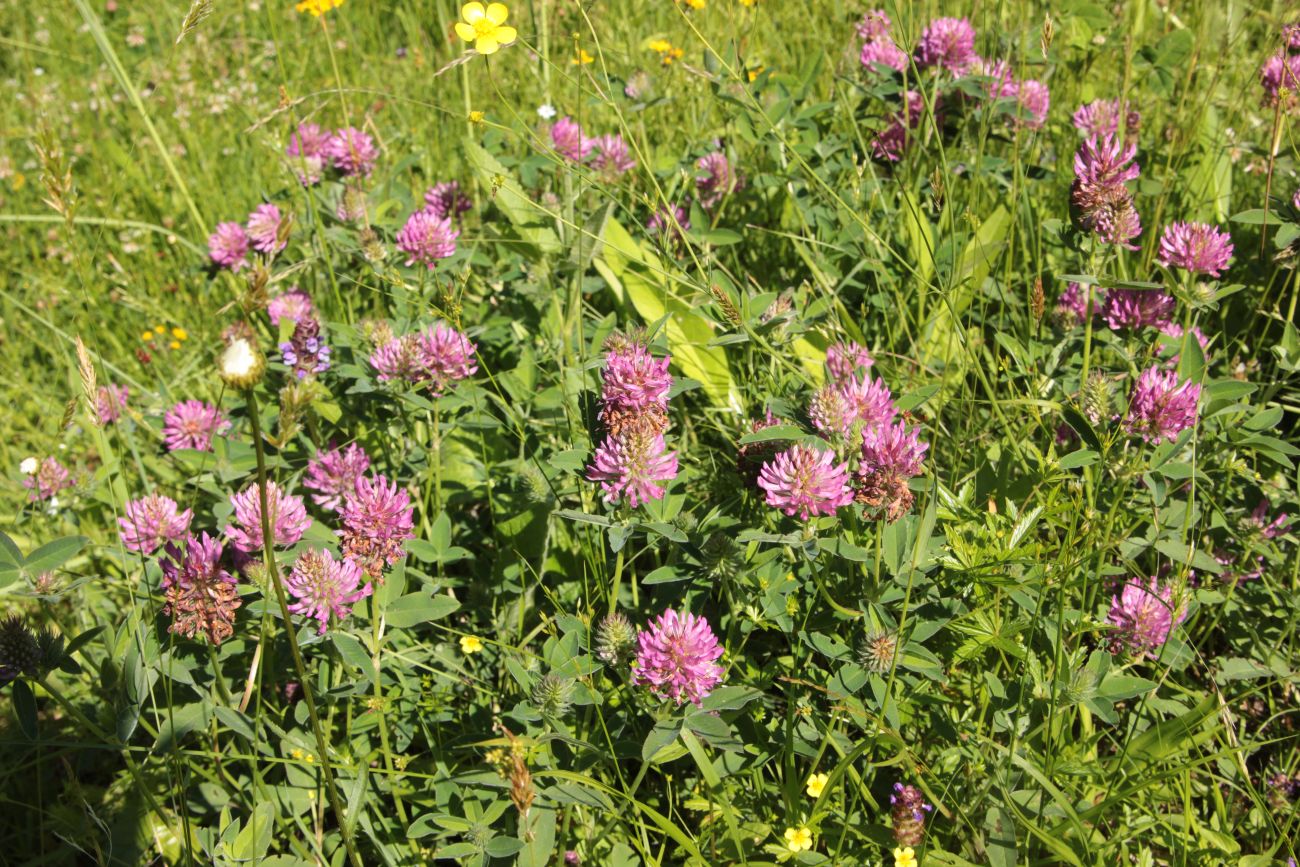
<point x="307" y="693"/>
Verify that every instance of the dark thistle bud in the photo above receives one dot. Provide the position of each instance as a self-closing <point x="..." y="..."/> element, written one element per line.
<point x="20" y="652"/>
<point x="908" y="810"/>
<point x="615" y="639"/>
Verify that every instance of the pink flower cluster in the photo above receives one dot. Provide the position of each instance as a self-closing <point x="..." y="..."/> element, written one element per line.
<point x="439" y="356"/>
<point x="50" y="478"/>
<point x="349" y="151"/>
<point x="1099" y="199"/>
<point x="153" y="521"/>
<point x="677" y="658"/>
<point x="322" y="586"/>
<point x="1143" y="615"/>
<point x="427" y="237"/>
<point x="1161" y="407"/>
<point x="718" y="179"/>
<point x="879" y="51"/>
<point x="192" y="424"/>
<point x="809" y="479"/>
<point x="612" y="156"/>
<point x="110" y="401"/>
<point x="1102" y="117"/>
<point x="265" y="232"/>
<point x="1280" y="74"/>
<point x="633" y="461"/>
<point x="377" y="519"/>
<point x="287" y="518"/>
<point x="1196" y="247"/>
<point x="333" y="475"/>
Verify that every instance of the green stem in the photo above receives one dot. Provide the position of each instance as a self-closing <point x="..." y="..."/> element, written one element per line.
<point x="307" y="693"/>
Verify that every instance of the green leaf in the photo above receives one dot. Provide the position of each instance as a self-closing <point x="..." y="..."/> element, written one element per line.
<point x="25" y="707"/>
<point x="53" y="554"/>
<point x="661" y="737"/>
<point x="528" y="218"/>
<point x="414" y="608"/>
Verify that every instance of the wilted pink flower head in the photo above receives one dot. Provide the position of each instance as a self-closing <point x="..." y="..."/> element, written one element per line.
<point x="1161" y="407"/>
<point x="1138" y="308"/>
<point x="847" y="359"/>
<point x="869" y="400"/>
<point x="874" y="24"/>
<point x="191" y="424"/>
<point x="891" y="454"/>
<point x="446" y="200"/>
<point x="1034" y="100"/>
<point x="1196" y="247"/>
<point x="669" y="224"/>
<point x="893" y="140"/>
<point x="377" y="519"/>
<point x="152" y="521"/>
<point x="446" y="356"/>
<point x="267" y="229"/>
<point x="717" y="181"/>
<point x="110" y="400"/>
<point x="878" y="54"/>
<point x="948" y="43"/>
<point x="677" y="657"/>
<point x="636" y="466"/>
<point x="321" y="586"/>
<point x="1099" y="198"/>
<point x="1143" y="614"/>
<point x="1101" y="117"/>
<point x="399" y="358"/>
<point x="50" y="478"/>
<point x="569" y="142"/>
<point x="307" y="151"/>
<point x="804" y="480"/>
<point x="1280" y="76"/>
<point x="1269" y="529"/>
<point x="426" y="238"/>
<point x="634" y="390"/>
<point x="228" y="246"/>
<point x="288" y="518"/>
<point x="201" y="596"/>
<point x="612" y="156"/>
<point x="333" y="474"/>
<point x="294" y="305"/>
<point x="352" y="151"/>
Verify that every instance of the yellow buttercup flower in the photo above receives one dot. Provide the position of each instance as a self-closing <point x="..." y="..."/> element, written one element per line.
<point x="659" y="45"/>
<point x="582" y="58"/>
<point x="817" y="785"/>
<point x="798" y="839"/>
<point x="159" y="330"/>
<point x="180" y="333"/>
<point x="175" y="344"/>
<point x="476" y="117"/>
<point x="470" y="644"/>
<point x="904" y="857"/>
<point x="485" y="26"/>
<point x="696" y="4"/>
<point x="317" y="8"/>
<point x="748" y="2"/>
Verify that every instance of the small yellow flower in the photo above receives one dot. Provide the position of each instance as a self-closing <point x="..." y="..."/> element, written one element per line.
<point x="485" y="26"/>
<point x="159" y="330"/>
<point x="175" y="344"/>
<point x="476" y="117"/>
<point x="582" y="58"/>
<point x="755" y="73"/>
<point x="180" y="333"/>
<point x="146" y="336"/>
<point x="19" y="181"/>
<point x="904" y="857"/>
<point x="798" y="839"/>
<point x="748" y="3"/>
<point x="660" y="45"/>
<point x="470" y="644"/>
<point x="696" y="4"/>
<point x="317" y="8"/>
<point x="817" y="785"/>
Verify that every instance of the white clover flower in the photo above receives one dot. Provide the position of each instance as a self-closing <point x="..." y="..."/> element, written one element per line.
<point x="28" y="466"/>
<point x="546" y="111"/>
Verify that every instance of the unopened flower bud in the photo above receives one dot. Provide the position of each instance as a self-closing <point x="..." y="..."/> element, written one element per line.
<point x="241" y="364"/>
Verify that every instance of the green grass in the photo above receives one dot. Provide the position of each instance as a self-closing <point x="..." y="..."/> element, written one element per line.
<point x="122" y="149"/>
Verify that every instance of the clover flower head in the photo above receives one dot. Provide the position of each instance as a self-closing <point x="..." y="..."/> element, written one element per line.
<point x="718" y="179"/>
<point x="333" y="474"/>
<point x="377" y="519"/>
<point x="293" y="304"/>
<point x="352" y="152"/>
<point x="50" y="478"/>
<point x="874" y="24"/>
<point x="1034" y="99"/>
<point x="1196" y="247"/>
<point x="446" y="200"/>
<point x="634" y="389"/>
<point x="612" y="157"/>
<point x="890" y="455"/>
<point x="1138" y="308"/>
<point x="869" y="400"/>
<point x="1102" y="117"/>
<point x="153" y="521"/>
<point x="110" y="400"/>
<point x="677" y="657"/>
<point x="308" y="152"/>
<point x="446" y="356"/>
<point x="1144" y="613"/>
<point x="201" y="597"/>
<point x="568" y="139"/>
<point x="846" y="359"/>
<point x="398" y="358"/>
<point x="1279" y="76"/>
<point x="804" y="480"/>
<point x="948" y="43"/>
<point x="1161" y="407"/>
<point x="192" y="424"/>
<point x="426" y="238"/>
<point x="288" y="518"/>
<point x="322" y="586"/>
<point x="228" y="246"/>
<point x="267" y="229"/>
<point x="635" y="465"/>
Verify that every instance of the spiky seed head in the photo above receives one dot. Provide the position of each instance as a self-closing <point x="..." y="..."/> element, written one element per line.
<point x="553" y="695"/>
<point x="615" y="639"/>
<point x="878" y="652"/>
